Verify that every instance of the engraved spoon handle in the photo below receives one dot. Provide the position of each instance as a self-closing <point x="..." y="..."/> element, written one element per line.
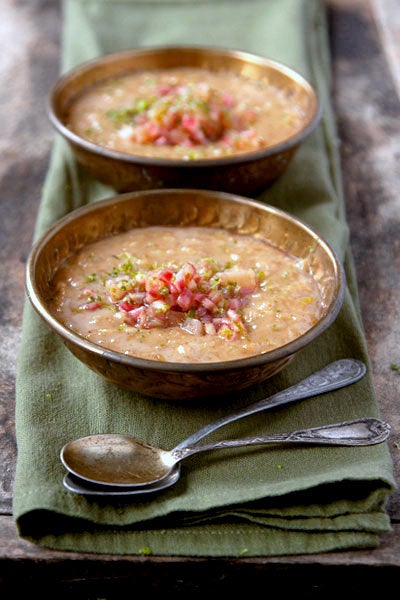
<point x="358" y="432"/>
<point x="334" y="376"/>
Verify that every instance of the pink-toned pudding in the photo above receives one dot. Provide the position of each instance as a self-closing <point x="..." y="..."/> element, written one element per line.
<point x="185" y="113"/>
<point x="185" y="294"/>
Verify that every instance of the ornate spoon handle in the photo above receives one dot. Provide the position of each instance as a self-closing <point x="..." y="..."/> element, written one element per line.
<point x="332" y="377"/>
<point x="359" y="432"/>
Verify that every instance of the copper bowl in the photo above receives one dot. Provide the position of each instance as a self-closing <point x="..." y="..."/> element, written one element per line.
<point x="182" y="208"/>
<point x="248" y="173"/>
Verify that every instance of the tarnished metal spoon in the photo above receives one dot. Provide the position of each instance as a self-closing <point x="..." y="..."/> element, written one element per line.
<point x="120" y="460"/>
<point x="147" y="461"/>
<point x="80" y="486"/>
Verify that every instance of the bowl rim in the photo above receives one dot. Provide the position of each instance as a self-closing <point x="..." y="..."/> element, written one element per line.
<point x="244" y="157"/>
<point x="276" y="354"/>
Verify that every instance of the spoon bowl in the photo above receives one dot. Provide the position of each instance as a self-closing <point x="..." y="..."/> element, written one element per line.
<point x="117" y="460"/>
<point x="77" y="485"/>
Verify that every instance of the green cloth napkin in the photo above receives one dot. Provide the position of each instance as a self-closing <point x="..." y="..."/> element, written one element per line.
<point x="237" y="502"/>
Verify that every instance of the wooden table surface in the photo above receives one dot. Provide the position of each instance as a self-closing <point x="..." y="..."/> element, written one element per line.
<point x="365" y="42"/>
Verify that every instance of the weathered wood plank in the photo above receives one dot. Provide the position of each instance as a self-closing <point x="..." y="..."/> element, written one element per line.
<point x="24" y="566"/>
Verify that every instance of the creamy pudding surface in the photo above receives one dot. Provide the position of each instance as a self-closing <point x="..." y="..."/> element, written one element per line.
<point x="185" y="113"/>
<point x="185" y="294"/>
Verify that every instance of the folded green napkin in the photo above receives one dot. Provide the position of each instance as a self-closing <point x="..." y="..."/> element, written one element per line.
<point x="239" y="501"/>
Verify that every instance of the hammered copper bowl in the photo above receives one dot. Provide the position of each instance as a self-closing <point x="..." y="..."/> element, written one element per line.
<point x="247" y="174"/>
<point x="182" y="208"/>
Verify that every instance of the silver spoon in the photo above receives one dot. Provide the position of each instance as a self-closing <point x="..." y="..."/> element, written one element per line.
<point x="109" y="459"/>
<point x="79" y="486"/>
<point x="162" y="464"/>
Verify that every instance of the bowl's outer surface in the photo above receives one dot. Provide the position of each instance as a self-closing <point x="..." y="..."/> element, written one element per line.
<point x="248" y="173"/>
<point x="182" y="208"/>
